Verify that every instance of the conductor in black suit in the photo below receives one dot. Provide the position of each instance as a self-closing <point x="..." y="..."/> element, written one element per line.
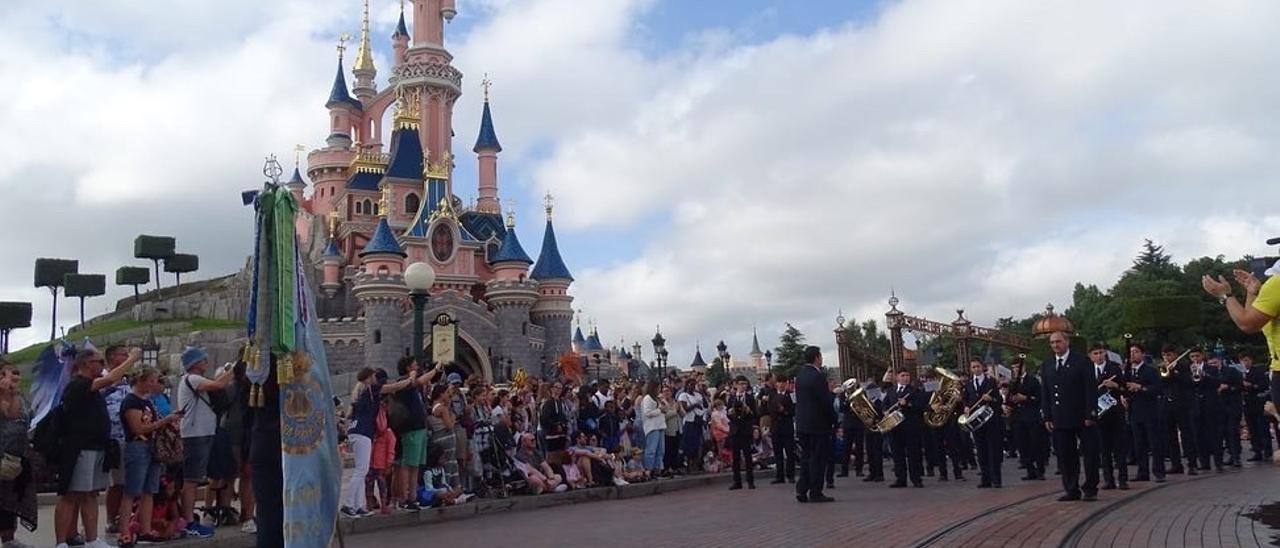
<point x="988" y="440"/>
<point x="815" y="418"/>
<point x="1070" y="405"/>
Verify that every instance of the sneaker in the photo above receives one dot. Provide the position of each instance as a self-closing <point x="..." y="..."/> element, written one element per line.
<point x="76" y="540"/>
<point x="619" y="481"/>
<point x="250" y="527"/>
<point x="410" y="507"/>
<point x="196" y="530"/>
<point x="561" y="488"/>
<point x="349" y="512"/>
<point x="364" y="512"/>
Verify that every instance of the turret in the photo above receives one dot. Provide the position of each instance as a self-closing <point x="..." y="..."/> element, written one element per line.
<point x="578" y="340"/>
<point x="757" y="357"/>
<point x="332" y="265"/>
<point x="553" y="311"/>
<point x="512" y="294"/>
<point x="510" y="262"/>
<point x="363" y="69"/>
<point x="400" y="40"/>
<point x="343" y="109"/>
<point x="381" y="290"/>
<point x="296" y="185"/>
<point x="487" y="149"/>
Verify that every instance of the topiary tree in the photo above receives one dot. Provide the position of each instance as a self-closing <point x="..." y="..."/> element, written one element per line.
<point x="83" y="286"/>
<point x="179" y="264"/>
<point x="154" y="249"/>
<point x="13" y="315"/>
<point x="51" y="273"/>
<point x="134" y="276"/>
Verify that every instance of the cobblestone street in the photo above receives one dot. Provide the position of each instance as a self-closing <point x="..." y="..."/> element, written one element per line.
<point x="1209" y="510"/>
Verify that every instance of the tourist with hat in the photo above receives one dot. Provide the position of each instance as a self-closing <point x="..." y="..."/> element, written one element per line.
<point x="199" y="423"/>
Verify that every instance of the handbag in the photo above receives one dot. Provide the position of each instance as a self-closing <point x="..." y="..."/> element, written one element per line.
<point x="166" y="445"/>
<point x="10" y="467"/>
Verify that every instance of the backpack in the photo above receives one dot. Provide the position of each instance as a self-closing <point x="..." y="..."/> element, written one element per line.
<point x="166" y="447"/>
<point x="217" y="400"/>
<point x="398" y="416"/>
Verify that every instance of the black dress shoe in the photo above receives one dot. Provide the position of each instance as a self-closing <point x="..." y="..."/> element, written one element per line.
<point x="869" y="478"/>
<point x="997" y="485"/>
<point x="897" y="484"/>
<point x="1068" y="497"/>
<point x="1090" y="497"/>
<point x="1108" y="487"/>
<point x="1192" y="472"/>
<point x="831" y="485"/>
<point x="802" y="498"/>
<point x="842" y="475"/>
<point x="1161" y="480"/>
<point x="821" y="498"/>
<point x="735" y="487"/>
<point x="1028" y="477"/>
<point x="943" y="478"/>
<point x="1141" y="478"/>
<point x="1124" y="487"/>
<point x="751" y="486"/>
<point x="917" y="485"/>
<point x="777" y="481"/>
<point x="984" y="485"/>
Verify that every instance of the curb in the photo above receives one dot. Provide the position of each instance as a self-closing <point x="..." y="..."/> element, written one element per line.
<point x="228" y="537"/>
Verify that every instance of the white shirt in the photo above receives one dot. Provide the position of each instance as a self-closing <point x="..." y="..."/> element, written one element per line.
<point x="693" y="402"/>
<point x="600" y="399"/>
<point x="199" y="420"/>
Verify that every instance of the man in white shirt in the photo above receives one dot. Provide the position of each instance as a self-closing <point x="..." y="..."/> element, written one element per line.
<point x="199" y="423"/>
<point x="601" y="396"/>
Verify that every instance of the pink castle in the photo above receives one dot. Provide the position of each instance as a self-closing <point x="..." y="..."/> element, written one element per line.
<point x="372" y="211"/>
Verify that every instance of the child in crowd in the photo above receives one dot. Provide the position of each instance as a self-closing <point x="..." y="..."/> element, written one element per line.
<point x="166" y="522"/>
<point x="719" y="428"/>
<point x="435" y="482"/>
<point x="611" y="426"/>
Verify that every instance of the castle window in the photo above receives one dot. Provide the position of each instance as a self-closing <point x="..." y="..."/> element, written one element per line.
<point x="368" y="207"/>
<point x="411" y="203"/>
<point x="377" y="336"/>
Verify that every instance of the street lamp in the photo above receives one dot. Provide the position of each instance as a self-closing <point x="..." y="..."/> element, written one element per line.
<point x="659" y="351"/>
<point x="662" y="371"/>
<point x="419" y="277"/>
<point x="151" y="349"/>
<point x="768" y="359"/>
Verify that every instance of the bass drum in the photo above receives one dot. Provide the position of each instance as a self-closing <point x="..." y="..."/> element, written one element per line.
<point x="977" y="419"/>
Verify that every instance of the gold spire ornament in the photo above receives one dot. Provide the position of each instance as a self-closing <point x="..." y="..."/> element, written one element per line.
<point x="364" y="52"/>
<point x="384" y="202"/>
<point x="408" y="107"/>
<point x="333" y="223"/>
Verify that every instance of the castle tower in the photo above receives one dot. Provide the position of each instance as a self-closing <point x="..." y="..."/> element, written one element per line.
<point x="400" y="40"/>
<point x="553" y="310"/>
<point x="427" y="71"/>
<point x="363" y="69"/>
<point x="487" y="149"/>
<point x="332" y="267"/>
<point x="403" y="177"/>
<point x="578" y="340"/>
<point x="512" y="295"/>
<point x="698" y="365"/>
<point x="757" y="357"/>
<point x="327" y="166"/>
<point x="382" y="293"/>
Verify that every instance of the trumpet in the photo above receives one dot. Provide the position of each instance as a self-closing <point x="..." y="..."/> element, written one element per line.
<point x="1167" y="369"/>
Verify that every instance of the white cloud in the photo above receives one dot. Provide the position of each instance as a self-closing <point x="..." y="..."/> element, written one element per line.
<point x="967" y="153"/>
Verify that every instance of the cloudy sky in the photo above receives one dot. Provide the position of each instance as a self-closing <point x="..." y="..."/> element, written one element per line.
<point x="716" y="163"/>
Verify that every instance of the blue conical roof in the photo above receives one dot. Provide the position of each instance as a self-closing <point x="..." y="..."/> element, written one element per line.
<point x="401" y="30"/>
<point x="593" y="343"/>
<point x="578" y="339"/>
<point x="405" y="159"/>
<point x="488" y="138"/>
<point x="697" y="359"/>
<point x="510" y="250"/>
<point x="383" y="241"/>
<point x="550" y="266"/>
<point x="331" y="250"/>
<point x="339" y="95"/>
<point x="297" y="178"/>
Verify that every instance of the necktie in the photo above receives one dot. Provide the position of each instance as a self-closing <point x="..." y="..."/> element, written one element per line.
<point x="1059" y="361"/>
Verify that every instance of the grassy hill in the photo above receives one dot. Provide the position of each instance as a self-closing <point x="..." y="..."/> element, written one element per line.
<point x="101" y="333"/>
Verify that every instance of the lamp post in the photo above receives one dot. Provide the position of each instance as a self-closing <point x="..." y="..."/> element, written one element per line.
<point x="419" y="277"/>
<point x="659" y="351"/>
<point x="151" y="349"/>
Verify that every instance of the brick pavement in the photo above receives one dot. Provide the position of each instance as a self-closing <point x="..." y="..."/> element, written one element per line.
<point x="942" y="514"/>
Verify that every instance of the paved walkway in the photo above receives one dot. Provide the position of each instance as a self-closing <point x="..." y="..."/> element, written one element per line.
<point x="941" y="514"/>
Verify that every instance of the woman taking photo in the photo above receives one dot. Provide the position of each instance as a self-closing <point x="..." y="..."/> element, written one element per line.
<point x="366" y="398"/>
<point x="17" y="493"/>
<point x="141" y="473"/>
<point x="653" y="418"/>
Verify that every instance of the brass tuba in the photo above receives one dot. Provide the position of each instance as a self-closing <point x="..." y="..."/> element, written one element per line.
<point x="864" y="409"/>
<point x="946" y="396"/>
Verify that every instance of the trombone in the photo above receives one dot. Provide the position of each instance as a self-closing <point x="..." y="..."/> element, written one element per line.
<point x="1167" y="369"/>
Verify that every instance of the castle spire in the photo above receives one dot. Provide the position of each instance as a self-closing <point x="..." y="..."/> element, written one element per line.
<point x="401" y="29"/>
<point x="363" y="68"/>
<point x="487" y="149"/>
<point x="338" y="94"/>
<point x="488" y="138"/>
<point x="550" y="265"/>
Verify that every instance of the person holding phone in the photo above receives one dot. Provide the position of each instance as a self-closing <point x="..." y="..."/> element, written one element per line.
<point x="199" y="424"/>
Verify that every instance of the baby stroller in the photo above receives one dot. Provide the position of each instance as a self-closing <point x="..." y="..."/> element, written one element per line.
<point x="498" y="476"/>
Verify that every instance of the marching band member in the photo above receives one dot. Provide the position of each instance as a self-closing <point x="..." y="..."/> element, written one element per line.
<point x="988" y="439"/>
<point x="1145" y="393"/>
<point x="1112" y="431"/>
<point x="907" y="457"/>
<point x="1028" y="430"/>
<point x="1069" y="402"/>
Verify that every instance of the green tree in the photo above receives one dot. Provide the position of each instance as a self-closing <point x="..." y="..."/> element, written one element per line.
<point x="1154" y="262"/>
<point x="716" y="374"/>
<point x="789" y="355"/>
